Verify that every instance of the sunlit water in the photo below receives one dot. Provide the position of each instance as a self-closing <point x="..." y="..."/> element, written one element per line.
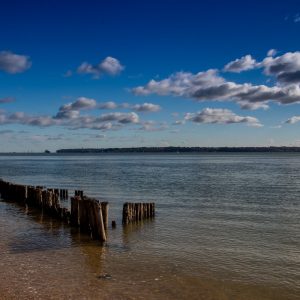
<point x="227" y="227"/>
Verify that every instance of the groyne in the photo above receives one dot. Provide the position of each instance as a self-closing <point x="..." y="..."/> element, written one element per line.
<point x="88" y="214"/>
<point x="134" y="212"/>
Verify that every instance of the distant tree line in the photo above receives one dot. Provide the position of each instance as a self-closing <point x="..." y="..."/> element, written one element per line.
<point x="179" y="149"/>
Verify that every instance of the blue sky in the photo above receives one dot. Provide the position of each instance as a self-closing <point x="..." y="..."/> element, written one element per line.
<point x="149" y="73"/>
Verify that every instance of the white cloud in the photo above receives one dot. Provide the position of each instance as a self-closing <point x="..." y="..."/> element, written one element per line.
<point x="109" y="65"/>
<point x="123" y="118"/>
<point x="252" y="105"/>
<point x="210" y="86"/>
<point x="293" y="120"/>
<point x="272" y="52"/>
<point x="153" y="126"/>
<point x="107" y="105"/>
<point x="14" y="63"/>
<point x="220" y="116"/>
<point x="241" y="64"/>
<point x="285" y="68"/>
<point x="82" y="103"/>
<point x="146" y="107"/>
<point x="24" y="119"/>
<point x="71" y="110"/>
<point x="69" y="116"/>
<point x="180" y="84"/>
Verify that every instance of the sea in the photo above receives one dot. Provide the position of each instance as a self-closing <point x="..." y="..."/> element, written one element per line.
<point x="227" y="226"/>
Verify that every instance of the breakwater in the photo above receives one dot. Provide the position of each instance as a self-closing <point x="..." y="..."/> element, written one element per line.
<point x="134" y="212"/>
<point x="88" y="214"/>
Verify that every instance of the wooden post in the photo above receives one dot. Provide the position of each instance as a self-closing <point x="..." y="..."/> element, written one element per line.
<point x="149" y="210"/>
<point x="129" y="212"/>
<point x="142" y="211"/>
<point x="104" y="208"/>
<point x="101" y="224"/>
<point x="75" y="211"/>
<point x="136" y="209"/>
<point x="125" y="213"/>
<point x="92" y="217"/>
<point x="83" y="215"/>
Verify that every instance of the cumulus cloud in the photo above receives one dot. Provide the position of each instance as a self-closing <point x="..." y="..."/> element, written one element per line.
<point x="109" y="65"/>
<point x="107" y="105"/>
<point x="285" y="68"/>
<point x="80" y="103"/>
<point x="14" y="63"/>
<point x="72" y="110"/>
<point x="123" y="118"/>
<point x="180" y="83"/>
<point x="69" y="116"/>
<point x="241" y="64"/>
<point x="209" y="85"/>
<point x="153" y="126"/>
<point x="293" y="120"/>
<point x="110" y="121"/>
<point x="252" y="105"/>
<point x="146" y="107"/>
<point x="24" y="119"/>
<point x="272" y="52"/>
<point x="7" y="100"/>
<point x="220" y="116"/>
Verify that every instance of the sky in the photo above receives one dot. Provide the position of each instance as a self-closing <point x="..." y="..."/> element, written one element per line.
<point x="98" y="74"/>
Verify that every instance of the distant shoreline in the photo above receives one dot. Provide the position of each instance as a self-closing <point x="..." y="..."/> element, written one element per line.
<point x="180" y="150"/>
<point x="161" y="150"/>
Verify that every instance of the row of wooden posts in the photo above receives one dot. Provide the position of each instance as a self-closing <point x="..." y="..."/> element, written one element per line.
<point x="134" y="212"/>
<point x="89" y="214"/>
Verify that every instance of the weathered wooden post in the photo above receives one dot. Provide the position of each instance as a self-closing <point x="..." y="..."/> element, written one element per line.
<point x="104" y="209"/>
<point x="83" y="215"/>
<point x="101" y="223"/>
<point x="75" y="211"/>
<point x="125" y="213"/>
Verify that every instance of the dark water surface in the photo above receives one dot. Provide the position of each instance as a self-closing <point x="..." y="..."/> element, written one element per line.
<point x="227" y="227"/>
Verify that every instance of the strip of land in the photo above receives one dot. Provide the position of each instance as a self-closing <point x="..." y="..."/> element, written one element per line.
<point x="179" y="149"/>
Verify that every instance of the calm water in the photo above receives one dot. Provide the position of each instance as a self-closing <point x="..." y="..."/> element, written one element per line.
<point x="227" y="227"/>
